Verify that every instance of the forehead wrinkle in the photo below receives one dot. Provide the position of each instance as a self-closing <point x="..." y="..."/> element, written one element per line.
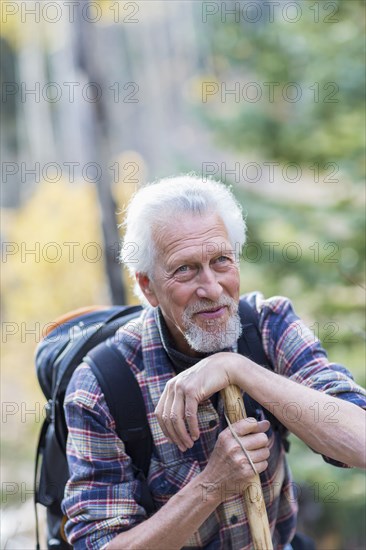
<point x="184" y="238"/>
<point x="191" y="246"/>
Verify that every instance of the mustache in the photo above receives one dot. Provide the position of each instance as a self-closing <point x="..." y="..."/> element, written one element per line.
<point x="207" y="305"/>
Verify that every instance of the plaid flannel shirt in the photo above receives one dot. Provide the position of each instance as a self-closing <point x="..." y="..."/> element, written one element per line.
<point x="101" y="495"/>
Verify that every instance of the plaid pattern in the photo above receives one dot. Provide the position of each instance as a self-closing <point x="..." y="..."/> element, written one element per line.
<point x="100" y="497"/>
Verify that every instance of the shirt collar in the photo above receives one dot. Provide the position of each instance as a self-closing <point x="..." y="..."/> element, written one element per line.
<point x="180" y="360"/>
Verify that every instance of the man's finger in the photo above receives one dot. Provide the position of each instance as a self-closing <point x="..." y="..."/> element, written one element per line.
<point x="258" y="457"/>
<point x="254" y="441"/>
<point x="166" y="422"/>
<point x="250" y="425"/>
<point x="178" y="424"/>
<point x="191" y="407"/>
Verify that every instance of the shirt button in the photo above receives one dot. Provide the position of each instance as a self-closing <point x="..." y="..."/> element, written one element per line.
<point x="212" y="423"/>
<point x="234" y="519"/>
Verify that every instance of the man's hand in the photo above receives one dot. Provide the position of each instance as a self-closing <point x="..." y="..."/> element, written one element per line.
<point x="182" y="394"/>
<point x="228" y="469"/>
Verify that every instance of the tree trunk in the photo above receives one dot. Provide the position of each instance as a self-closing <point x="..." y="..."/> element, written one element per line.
<point x="85" y="37"/>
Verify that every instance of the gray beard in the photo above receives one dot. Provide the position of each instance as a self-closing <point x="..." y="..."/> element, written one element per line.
<point x="217" y="336"/>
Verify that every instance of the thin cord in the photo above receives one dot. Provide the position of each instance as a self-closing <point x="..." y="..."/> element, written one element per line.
<point x="235" y="436"/>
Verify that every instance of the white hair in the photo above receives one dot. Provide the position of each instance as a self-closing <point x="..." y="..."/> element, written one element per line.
<point x="156" y="203"/>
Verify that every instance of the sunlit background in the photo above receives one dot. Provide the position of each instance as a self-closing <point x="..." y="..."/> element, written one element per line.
<point x="99" y="98"/>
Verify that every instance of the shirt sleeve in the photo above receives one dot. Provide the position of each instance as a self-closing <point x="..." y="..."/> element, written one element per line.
<point x="101" y="496"/>
<point x="296" y="353"/>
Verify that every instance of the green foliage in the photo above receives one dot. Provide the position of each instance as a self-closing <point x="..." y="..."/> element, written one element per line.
<point x="315" y="257"/>
<point x="325" y="61"/>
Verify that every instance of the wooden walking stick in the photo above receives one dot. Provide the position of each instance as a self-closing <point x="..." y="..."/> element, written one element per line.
<point x="254" y="505"/>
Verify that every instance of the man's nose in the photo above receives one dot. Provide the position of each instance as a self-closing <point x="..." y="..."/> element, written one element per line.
<point x="208" y="285"/>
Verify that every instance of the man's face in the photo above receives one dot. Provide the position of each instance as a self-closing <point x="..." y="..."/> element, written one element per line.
<point x="196" y="283"/>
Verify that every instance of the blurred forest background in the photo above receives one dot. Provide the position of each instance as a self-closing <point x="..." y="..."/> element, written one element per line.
<point x="101" y="97"/>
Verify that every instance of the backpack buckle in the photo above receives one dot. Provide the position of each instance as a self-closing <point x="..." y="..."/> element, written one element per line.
<point x="48" y="410"/>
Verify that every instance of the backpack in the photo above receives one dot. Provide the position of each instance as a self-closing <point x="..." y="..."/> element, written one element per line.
<point x="79" y="336"/>
<point x="64" y="347"/>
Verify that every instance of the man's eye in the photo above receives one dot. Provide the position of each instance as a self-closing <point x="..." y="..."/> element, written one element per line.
<point x="222" y="259"/>
<point x="184" y="272"/>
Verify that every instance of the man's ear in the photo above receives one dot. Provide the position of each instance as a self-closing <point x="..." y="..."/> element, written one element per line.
<point x="146" y="288"/>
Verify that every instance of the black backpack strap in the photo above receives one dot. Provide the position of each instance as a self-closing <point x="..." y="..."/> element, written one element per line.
<point x="250" y="345"/>
<point x="250" y="342"/>
<point x="125" y="402"/>
<point x="302" y="542"/>
<point x="39" y="454"/>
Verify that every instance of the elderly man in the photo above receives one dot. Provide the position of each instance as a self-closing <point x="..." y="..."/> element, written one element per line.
<point x="182" y="241"/>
